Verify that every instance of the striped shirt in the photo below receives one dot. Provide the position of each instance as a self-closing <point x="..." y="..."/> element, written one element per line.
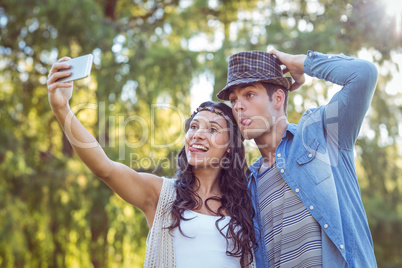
<point x="291" y="235"/>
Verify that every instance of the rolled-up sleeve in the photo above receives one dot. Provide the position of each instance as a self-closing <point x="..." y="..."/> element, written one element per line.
<point x="346" y="110"/>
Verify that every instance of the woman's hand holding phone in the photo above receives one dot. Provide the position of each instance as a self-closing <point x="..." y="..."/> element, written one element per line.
<point x="62" y="74"/>
<point x="59" y="93"/>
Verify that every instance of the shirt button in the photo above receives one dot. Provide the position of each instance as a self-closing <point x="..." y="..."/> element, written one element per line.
<point x="310" y="155"/>
<point x="297" y="190"/>
<point x="278" y="155"/>
<point x="325" y="226"/>
<point x="341" y="246"/>
<point x="329" y="57"/>
<point x="282" y="170"/>
<point x="311" y="207"/>
<point x="310" y="54"/>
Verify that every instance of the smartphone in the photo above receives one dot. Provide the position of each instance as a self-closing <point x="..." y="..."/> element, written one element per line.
<point x="80" y="68"/>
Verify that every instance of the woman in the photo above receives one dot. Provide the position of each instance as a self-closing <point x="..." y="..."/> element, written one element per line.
<point x="202" y="218"/>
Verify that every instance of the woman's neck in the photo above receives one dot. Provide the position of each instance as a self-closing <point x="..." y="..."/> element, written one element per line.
<point x="208" y="179"/>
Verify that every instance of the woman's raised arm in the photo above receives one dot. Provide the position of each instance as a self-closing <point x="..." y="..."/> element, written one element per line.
<point x="139" y="189"/>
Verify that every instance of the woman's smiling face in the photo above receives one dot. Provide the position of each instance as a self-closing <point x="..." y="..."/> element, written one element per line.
<point x="207" y="140"/>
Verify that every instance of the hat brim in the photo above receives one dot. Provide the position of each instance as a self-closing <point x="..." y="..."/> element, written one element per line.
<point x="224" y="93"/>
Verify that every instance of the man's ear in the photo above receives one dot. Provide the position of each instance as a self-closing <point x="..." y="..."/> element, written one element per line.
<point x="279" y="99"/>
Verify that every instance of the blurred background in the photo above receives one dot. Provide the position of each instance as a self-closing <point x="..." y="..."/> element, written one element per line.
<point x="154" y="62"/>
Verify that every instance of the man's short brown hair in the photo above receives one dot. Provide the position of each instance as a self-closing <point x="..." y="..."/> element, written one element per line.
<point x="271" y="88"/>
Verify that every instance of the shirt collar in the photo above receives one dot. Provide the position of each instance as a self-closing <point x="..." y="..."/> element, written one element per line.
<point x="290" y="130"/>
<point x="255" y="166"/>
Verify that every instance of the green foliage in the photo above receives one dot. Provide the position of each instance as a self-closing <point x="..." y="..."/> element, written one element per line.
<point x="55" y="213"/>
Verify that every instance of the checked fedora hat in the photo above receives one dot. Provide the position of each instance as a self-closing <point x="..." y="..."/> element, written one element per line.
<point x="253" y="66"/>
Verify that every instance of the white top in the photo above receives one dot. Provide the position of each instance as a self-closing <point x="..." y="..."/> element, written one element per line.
<point x="160" y="246"/>
<point x="204" y="245"/>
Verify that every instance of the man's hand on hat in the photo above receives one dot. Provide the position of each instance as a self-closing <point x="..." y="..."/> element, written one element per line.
<point x="293" y="64"/>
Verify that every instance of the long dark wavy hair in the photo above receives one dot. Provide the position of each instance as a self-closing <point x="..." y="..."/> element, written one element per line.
<point x="235" y="198"/>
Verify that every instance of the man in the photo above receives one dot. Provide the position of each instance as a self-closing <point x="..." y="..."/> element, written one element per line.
<point x="304" y="187"/>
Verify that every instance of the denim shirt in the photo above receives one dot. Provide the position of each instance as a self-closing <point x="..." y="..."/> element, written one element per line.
<point x="316" y="160"/>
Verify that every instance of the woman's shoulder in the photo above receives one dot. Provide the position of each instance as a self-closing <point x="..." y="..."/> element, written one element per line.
<point x="169" y="182"/>
<point x="171" y="179"/>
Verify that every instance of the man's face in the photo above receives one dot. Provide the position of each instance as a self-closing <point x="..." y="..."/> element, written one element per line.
<point x="253" y="110"/>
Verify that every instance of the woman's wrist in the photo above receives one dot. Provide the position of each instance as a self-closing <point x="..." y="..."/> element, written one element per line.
<point x="61" y="112"/>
